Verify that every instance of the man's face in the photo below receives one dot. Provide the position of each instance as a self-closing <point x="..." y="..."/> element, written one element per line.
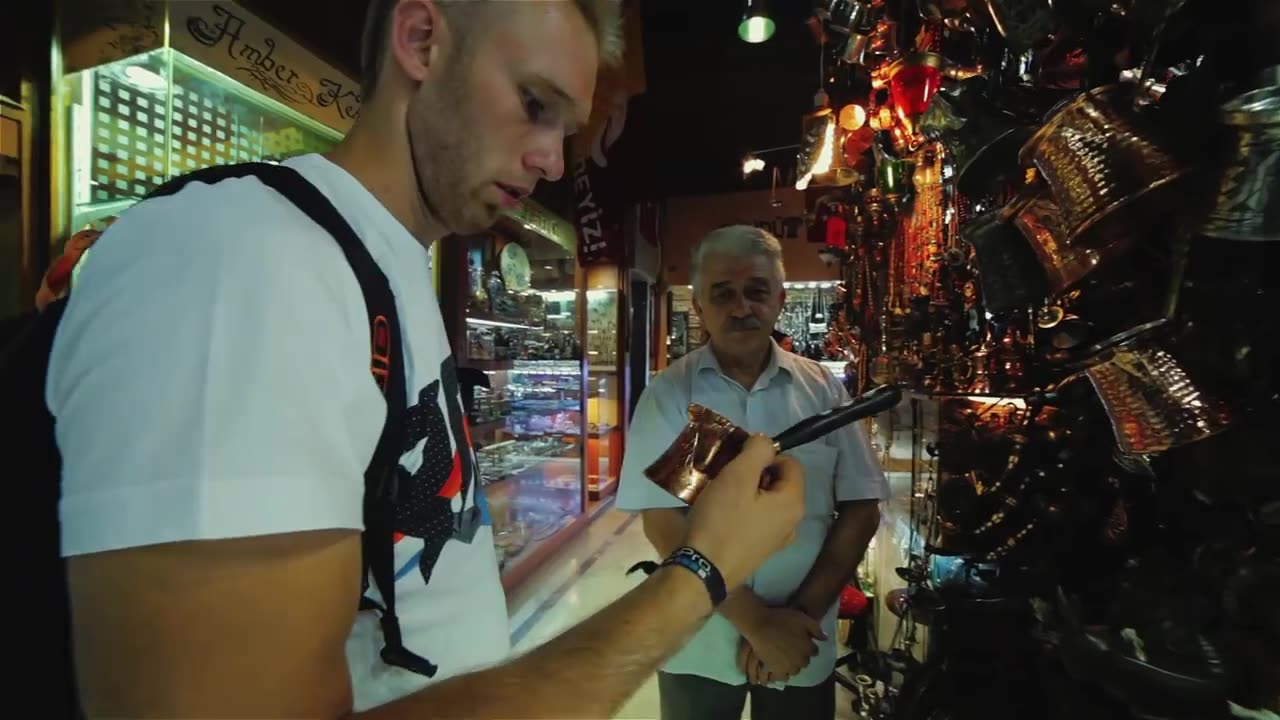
<point x="489" y="121"/>
<point x="739" y="300"/>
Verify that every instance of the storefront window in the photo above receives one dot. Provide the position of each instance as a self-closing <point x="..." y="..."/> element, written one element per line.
<point x="136" y="123"/>
<point x="521" y="328"/>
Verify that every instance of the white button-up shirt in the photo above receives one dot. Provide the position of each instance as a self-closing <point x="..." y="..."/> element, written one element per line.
<point x="839" y="467"/>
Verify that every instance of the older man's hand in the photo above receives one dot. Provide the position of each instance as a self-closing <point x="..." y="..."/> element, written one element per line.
<point x="778" y="645"/>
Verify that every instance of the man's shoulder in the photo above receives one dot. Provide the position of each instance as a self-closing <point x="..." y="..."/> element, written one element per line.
<point x="237" y="225"/>
<point x="812" y="374"/>
<point x="674" y="378"/>
<point x="239" y="205"/>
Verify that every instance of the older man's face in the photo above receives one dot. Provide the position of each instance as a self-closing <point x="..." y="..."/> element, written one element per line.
<point x="739" y="300"/>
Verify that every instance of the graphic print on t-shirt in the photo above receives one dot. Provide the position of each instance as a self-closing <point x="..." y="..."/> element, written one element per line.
<point x="425" y="502"/>
<point x="431" y="502"/>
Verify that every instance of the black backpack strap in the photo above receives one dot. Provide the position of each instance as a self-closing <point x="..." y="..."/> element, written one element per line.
<point x="388" y="368"/>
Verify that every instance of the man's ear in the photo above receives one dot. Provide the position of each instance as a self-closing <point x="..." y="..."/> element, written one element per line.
<point x="415" y="36"/>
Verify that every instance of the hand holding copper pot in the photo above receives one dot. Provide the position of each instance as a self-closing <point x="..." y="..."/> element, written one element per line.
<point x="709" y="442"/>
<point x="735" y="500"/>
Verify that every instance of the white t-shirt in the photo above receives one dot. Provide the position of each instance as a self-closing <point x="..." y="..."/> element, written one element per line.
<point x="210" y="379"/>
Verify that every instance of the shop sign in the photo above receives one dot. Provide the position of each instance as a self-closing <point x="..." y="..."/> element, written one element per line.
<point x="221" y="35"/>
<point x="234" y="42"/>
<point x="97" y="33"/>
<point x="596" y="239"/>
<point x="542" y="221"/>
<point x="605" y="154"/>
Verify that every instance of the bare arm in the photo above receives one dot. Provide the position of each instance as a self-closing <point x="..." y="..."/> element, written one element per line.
<point x="664" y="527"/>
<point x="257" y="627"/>
<point x="838" y="560"/>
<point x="619" y="647"/>
<point x="291" y="596"/>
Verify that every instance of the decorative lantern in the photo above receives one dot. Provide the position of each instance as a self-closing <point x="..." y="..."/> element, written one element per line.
<point x="913" y="82"/>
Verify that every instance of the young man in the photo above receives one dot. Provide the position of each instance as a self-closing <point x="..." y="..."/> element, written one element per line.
<point x="774" y="638"/>
<point x="215" y="412"/>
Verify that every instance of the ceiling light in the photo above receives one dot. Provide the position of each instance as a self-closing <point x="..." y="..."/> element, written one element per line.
<point x="756" y="25"/>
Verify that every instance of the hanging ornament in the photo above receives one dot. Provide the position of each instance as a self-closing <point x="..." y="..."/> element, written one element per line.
<point x="892" y="174"/>
<point x="912" y="83"/>
<point x="817" y="147"/>
<point x="852" y="117"/>
<point x="856" y="145"/>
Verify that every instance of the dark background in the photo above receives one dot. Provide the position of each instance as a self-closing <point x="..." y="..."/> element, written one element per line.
<point x="711" y="97"/>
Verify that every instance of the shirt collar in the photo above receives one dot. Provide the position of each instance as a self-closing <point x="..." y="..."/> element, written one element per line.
<point x="779" y="360"/>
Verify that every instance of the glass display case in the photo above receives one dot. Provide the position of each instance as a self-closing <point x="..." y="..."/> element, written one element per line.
<point x="135" y="123"/>
<point x="684" y="326"/>
<point x="528" y="434"/>
<point x="604" y="426"/>
<point x="520" y="325"/>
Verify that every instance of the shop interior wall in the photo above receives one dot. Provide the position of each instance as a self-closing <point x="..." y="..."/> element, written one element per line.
<point x="688" y="219"/>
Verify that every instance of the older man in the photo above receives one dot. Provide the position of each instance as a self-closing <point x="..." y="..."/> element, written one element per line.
<point x="773" y="639"/>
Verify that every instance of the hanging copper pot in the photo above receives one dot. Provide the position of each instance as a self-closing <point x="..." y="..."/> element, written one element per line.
<point x="1106" y="173"/>
<point x="1009" y="272"/>
<point x="1040" y="222"/>
<point x="855" y="48"/>
<point x="844" y="16"/>
<point x="1248" y="204"/>
<point x="884" y="39"/>
<point x="1152" y="401"/>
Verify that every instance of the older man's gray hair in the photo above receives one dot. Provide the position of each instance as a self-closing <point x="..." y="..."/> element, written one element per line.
<point x="737" y="241"/>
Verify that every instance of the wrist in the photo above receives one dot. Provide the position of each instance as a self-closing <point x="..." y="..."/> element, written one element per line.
<point x="685" y="588"/>
<point x="733" y="577"/>
<point x="745" y="611"/>
<point x="701" y="567"/>
<point x="798" y="604"/>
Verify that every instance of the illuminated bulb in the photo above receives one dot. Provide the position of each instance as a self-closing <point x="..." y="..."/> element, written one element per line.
<point x="825" y="156"/>
<point x="828" y="152"/>
<point x="852" y="117"/>
<point x="751" y="164"/>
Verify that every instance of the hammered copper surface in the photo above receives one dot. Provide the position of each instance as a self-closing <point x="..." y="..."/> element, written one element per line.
<point x="707" y="443"/>
<point x="1040" y="222"/>
<point x="1248" y="204"/>
<point x="1152" y="402"/>
<point x="1104" y="173"/>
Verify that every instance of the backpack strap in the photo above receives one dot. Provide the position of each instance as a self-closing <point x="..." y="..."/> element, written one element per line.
<point x="388" y="369"/>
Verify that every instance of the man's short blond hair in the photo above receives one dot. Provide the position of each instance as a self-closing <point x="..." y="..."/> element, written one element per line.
<point x="603" y="16"/>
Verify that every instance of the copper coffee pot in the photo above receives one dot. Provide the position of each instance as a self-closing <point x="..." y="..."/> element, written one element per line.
<point x="710" y="441"/>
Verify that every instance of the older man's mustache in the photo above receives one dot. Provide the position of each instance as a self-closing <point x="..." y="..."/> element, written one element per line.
<point x="746" y="323"/>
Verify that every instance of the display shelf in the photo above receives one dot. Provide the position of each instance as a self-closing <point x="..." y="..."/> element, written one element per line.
<point x="517" y="319"/>
<point x="135" y="123"/>
<point x="604" y="381"/>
